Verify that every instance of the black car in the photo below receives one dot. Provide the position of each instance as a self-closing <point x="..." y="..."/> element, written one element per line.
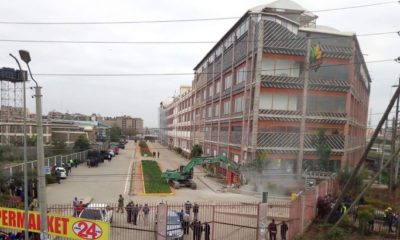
<point x="106" y="155"/>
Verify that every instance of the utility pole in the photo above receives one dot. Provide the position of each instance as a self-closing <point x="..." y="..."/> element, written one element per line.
<point x="304" y="109"/>
<point x="396" y="162"/>
<point x="383" y="151"/>
<point x="25" y="56"/>
<point x="393" y="147"/>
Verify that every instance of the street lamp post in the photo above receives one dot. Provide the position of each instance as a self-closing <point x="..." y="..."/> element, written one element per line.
<point x="25" y="157"/>
<point x="25" y="56"/>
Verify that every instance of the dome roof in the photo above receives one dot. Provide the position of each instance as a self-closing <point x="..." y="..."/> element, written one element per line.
<point x="280" y="4"/>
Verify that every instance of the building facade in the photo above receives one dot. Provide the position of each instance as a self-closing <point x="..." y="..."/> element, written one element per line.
<point x="249" y="93"/>
<point x="129" y="126"/>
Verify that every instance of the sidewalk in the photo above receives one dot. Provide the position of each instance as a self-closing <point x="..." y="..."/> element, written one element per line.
<point x="137" y="187"/>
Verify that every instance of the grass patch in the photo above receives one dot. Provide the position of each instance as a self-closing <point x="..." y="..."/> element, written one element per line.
<point x="153" y="182"/>
<point x="144" y="149"/>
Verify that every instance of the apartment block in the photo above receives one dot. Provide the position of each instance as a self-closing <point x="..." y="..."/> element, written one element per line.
<point x="253" y="91"/>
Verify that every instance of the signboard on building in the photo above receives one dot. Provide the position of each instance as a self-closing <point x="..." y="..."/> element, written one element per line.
<point x="58" y="225"/>
<point x="315" y="57"/>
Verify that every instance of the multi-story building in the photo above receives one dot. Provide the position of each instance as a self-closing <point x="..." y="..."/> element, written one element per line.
<point x="253" y="91"/>
<point x="129" y="126"/>
<point x="177" y="121"/>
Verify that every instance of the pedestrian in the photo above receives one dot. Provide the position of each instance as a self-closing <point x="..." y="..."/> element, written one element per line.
<point x="58" y="176"/>
<point x="188" y="207"/>
<point x="140" y="214"/>
<point x="180" y="215"/>
<point x="272" y="230"/>
<point x="34" y="205"/>
<point x="135" y="212"/>
<point x="12" y="188"/>
<point x="120" y="204"/>
<point x="69" y="166"/>
<point x="128" y="209"/>
<point x="71" y="163"/>
<point x="207" y="231"/>
<point x="284" y="229"/>
<point x="79" y="208"/>
<point x="158" y="154"/>
<point x="391" y="219"/>
<point x="75" y="204"/>
<point x="195" y="210"/>
<point x="186" y="220"/>
<point x="197" y="230"/>
<point x="146" y="211"/>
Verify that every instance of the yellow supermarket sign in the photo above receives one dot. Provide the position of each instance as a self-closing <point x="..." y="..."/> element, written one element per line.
<point x="69" y="227"/>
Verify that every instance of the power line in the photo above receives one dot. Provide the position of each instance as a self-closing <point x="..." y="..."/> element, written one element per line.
<point x="177" y="20"/>
<point x="179" y="42"/>
<point x="177" y="74"/>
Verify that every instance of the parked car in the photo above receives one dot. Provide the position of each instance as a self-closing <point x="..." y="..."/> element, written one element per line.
<point x="63" y="172"/>
<point x="98" y="211"/>
<point x="174" y="226"/>
<point x="121" y="145"/>
<point x="106" y="155"/>
<point x="116" y="150"/>
<point x="111" y="152"/>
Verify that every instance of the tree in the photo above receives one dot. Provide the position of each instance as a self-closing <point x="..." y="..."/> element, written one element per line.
<point x="81" y="144"/>
<point x="31" y="141"/>
<point x="197" y="150"/>
<point x="323" y="150"/>
<point x="259" y="163"/>
<point x="115" y="133"/>
<point x="59" y="147"/>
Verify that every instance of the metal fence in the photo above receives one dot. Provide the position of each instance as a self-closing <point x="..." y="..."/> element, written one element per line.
<point x="227" y="220"/>
<point x="8" y="172"/>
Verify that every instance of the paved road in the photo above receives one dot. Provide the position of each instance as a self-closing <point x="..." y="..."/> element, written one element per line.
<point x="103" y="183"/>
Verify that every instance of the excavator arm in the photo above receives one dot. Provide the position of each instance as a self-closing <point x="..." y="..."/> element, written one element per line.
<point x="210" y="160"/>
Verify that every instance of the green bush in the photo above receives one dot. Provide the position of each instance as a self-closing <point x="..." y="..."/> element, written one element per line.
<point x="196" y="151"/>
<point x="365" y="214"/>
<point x="337" y="233"/>
<point x="178" y="150"/>
<point x="153" y="182"/>
<point x="144" y="149"/>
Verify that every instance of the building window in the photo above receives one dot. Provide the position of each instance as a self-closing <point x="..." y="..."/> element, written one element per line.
<point x="280" y="67"/>
<point x="238" y="104"/>
<point x="227" y="105"/>
<point x="241" y="74"/>
<point x="280" y="101"/>
<point x="228" y="42"/>
<point x="218" y="51"/>
<point x="227" y="81"/>
<point x="209" y="111"/>
<point x="217" y="87"/>
<point x="216" y="113"/>
<point x="242" y="29"/>
<point x="326" y="104"/>
<point x="204" y="94"/>
<point x="210" y="91"/>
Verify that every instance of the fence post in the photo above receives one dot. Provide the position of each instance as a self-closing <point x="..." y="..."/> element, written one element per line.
<point x="302" y="206"/>
<point x="262" y="213"/>
<point x="213" y="222"/>
<point x="48" y="162"/>
<point x="162" y="209"/>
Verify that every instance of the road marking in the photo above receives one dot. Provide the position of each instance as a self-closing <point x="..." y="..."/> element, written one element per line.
<point x="128" y="178"/>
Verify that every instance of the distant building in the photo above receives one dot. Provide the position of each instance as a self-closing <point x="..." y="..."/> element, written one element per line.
<point x="129" y="126"/>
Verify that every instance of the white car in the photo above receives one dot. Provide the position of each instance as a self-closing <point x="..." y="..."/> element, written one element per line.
<point x="98" y="211"/>
<point x="111" y="152"/>
<point x="63" y="172"/>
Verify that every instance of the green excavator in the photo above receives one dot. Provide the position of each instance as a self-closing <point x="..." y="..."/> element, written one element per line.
<point x="183" y="176"/>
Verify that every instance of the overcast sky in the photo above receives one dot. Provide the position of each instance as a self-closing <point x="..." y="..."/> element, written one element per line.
<point x="139" y="96"/>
